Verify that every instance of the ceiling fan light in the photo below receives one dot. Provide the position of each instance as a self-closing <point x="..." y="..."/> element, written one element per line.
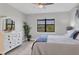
<point x="41" y="6"/>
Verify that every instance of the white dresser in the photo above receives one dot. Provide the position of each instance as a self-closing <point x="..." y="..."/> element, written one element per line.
<point x="9" y="40"/>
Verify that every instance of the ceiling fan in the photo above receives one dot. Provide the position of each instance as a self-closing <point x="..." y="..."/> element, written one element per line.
<point x="42" y="5"/>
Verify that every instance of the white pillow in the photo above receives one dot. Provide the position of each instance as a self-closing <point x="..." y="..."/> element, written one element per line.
<point x="69" y="33"/>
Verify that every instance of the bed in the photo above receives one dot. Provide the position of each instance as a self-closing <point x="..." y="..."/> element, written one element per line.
<point x="56" y="45"/>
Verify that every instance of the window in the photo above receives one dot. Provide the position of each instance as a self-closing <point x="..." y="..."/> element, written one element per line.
<point x="46" y="25"/>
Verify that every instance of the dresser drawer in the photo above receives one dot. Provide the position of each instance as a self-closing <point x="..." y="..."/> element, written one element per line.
<point x="7" y="46"/>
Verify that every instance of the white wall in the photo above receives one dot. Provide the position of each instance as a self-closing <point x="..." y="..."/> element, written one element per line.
<point x="6" y="10"/>
<point x="62" y="19"/>
<point x="61" y="22"/>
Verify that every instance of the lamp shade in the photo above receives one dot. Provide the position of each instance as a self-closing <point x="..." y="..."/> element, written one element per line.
<point x="70" y="28"/>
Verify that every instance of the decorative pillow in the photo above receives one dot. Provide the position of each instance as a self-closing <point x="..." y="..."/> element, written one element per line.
<point x="69" y="33"/>
<point x="77" y="37"/>
<point x="72" y="34"/>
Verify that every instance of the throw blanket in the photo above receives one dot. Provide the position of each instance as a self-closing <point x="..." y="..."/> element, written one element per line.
<point x="42" y="38"/>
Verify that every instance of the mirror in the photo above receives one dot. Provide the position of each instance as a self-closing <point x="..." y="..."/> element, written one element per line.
<point x="10" y="25"/>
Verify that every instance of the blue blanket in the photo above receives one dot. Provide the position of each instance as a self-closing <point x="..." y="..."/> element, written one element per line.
<point x="42" y="38"/>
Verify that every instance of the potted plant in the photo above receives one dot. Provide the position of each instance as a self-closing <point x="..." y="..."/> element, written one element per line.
<point x="27" y="31"/>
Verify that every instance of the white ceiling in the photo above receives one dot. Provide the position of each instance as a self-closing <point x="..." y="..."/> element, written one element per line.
<point x="29" y="8"/>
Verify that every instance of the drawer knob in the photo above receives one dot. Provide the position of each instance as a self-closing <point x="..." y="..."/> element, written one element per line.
<point x="8" y="36"/>
<point x="10" y="46"/>
<point x="17" y="42"/>
<point x="10" y="42"/>
<point x="8" y="39"/>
